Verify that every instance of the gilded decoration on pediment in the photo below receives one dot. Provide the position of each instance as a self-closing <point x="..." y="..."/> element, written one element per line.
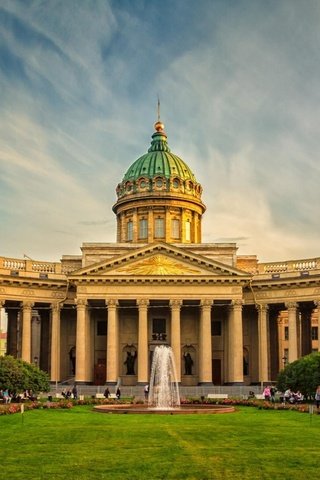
<point x="158" y="265"/>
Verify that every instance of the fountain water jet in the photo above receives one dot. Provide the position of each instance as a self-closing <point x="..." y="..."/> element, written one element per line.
<point x="163" y="388"/>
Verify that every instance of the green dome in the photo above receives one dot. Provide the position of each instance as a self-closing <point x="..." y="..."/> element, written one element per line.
<point x="159" y="171"/>
<point x="159" y="161"/>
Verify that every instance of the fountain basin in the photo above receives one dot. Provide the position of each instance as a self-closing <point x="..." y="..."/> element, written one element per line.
<point x="182" y="410"/>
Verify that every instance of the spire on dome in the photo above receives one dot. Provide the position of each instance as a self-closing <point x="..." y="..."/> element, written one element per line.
<point x="159" y="126"/>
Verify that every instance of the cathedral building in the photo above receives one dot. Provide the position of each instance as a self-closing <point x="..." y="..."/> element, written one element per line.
<point x="96" y="318"/>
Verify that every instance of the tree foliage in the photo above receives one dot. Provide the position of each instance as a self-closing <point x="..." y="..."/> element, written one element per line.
<point x="303" y="375"/>
<point x="17" y="376"/>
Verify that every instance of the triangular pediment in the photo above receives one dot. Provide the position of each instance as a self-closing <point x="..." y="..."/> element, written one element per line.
<point x="159" y="260"/>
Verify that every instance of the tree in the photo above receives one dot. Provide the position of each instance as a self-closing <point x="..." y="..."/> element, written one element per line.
<point x="17" y="376"/>
<point x="303" y="375"/>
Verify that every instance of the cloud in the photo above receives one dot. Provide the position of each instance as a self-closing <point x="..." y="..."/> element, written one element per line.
<point x="238" y="83"/>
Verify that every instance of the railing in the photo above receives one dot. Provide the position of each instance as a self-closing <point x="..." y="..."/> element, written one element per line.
<point x="14" y="264"/>
<point x="290" y="266"/>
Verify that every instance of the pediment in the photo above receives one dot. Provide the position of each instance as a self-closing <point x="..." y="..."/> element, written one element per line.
<point x="159" y="260"/>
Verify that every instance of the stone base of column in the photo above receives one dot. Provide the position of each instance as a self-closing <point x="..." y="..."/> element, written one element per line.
<point x="111" y="384"/>
<point x="142" y="384"/>
<point x="205" y="384"/>
<point x="80" y="382"/>
<point x="234" y="384"/>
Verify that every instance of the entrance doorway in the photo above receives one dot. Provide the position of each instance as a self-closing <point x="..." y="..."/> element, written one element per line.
<point x="216" y="371"/>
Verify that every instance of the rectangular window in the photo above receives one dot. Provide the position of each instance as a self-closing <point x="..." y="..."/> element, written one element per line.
<point x="188" y="231"/>
<point x="314" y="333"/>
<point x="216" y="328"/>
<point x="175" y="228"/>
<point x="101" y="328"/>
<point x="130" y="231"/>
<point x="159" y="228"/>
<point x="286" y="333"/>
<point x="143" y="228"/>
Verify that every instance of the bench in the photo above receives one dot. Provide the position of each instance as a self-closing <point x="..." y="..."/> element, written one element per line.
<point x="217" y="396"/>
<point x="101" y="395"/>
<point x="259" y="396"/>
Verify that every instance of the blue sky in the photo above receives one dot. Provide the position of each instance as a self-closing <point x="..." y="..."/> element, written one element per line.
<point x="239" y="88"/>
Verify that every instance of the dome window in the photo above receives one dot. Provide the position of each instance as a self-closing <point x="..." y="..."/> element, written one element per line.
<point x="143" y="184"/>
<point x="159" y="182"/>
<point x="176" y="183"/>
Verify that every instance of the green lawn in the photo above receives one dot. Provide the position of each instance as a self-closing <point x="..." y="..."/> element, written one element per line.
<point x="80" y="444"/>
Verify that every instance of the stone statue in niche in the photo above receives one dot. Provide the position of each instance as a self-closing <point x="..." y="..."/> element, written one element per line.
<point x="130" y="361"/>
<point x="188" y="363"/>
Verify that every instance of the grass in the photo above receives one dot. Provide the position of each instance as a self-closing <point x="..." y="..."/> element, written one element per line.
<point x="80" y="444"/>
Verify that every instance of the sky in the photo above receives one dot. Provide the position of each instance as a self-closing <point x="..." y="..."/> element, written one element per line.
<point x="238" y="82"/>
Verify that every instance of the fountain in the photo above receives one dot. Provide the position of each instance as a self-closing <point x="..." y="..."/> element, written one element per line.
<point x="163" y="389"/>
<point x="164" y="394"/>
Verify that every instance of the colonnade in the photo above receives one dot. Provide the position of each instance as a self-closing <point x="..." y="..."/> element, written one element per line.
<point x="233" y="354"/>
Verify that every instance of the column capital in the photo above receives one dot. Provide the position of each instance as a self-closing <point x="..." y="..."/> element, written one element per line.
<point x="56" y="307"/>
<point x="175" y="303"/>
<point x="2" y="302"/>
<point x="112" y="303"/>
<point x="81" y="302"/>
<point x="237" y="302"/>
<point x="206" y="303"/>
<point x="291" y="305"/>
<point x="142" y="302"/>
<point x="262" y="307"/>
<point x="317" y="303"/>
<point x="27" y="305"/>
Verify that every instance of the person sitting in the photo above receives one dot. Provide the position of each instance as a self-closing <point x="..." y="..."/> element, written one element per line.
<point x="267" y="393"/>
<point x="298" y="397"/>
<point x="287" y="395"/>
<point x="106" y="393"/>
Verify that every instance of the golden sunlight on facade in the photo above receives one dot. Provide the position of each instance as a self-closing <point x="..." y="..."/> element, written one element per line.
<point x="97" y="317"/>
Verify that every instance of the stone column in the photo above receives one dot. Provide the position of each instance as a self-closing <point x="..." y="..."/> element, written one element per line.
<point x="112" y="343"/>
<point x="176" y="335"/>
<point x="293" y="333"/>
<point x="236" y="344"/>
<point x="205" y="353"/>
<point x="263" y="342"/>
<point x="26" y="331"/>
<point x="143" y="342"/>
<point x="317" y="304"/>
<point x="81" y="356"/>
<point x="55" y="342"/>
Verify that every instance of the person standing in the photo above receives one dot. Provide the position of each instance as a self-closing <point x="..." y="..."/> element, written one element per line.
<point x="317" y="396"/>
<point x="267" y="393"/>
<point x="75" y="392"/>
<point x="146" y="392"/>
